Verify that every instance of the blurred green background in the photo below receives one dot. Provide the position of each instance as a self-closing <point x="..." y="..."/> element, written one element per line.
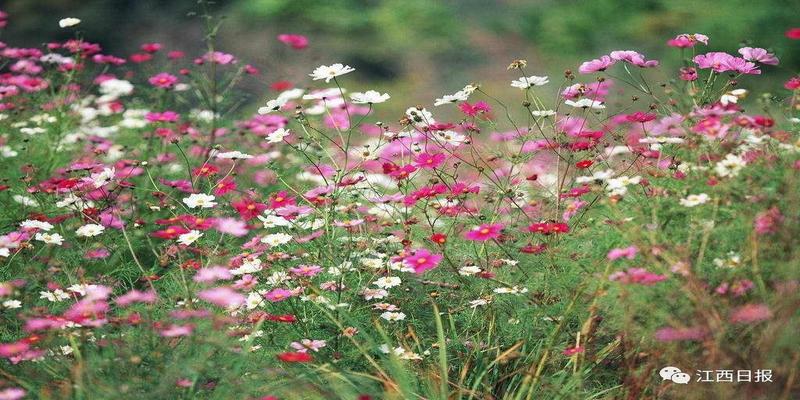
<point x="422" y="47"/>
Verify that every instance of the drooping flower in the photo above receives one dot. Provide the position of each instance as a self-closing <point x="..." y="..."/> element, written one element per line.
<point x="758" y="54"/>
<point x="600" y="64"/>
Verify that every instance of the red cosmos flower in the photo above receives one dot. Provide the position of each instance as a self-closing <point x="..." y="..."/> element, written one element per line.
<point x="172" y="232"/>
<point x="140" y="57"/>
<point x="640" y="117"/>
<point x="583" y="164"/>
<point x="205" y="170"/>
<point x="793" y="33"/>
<point x="793" y="83"/>
<point x="281" y="199"/>
<point x="224" y="186"/>
<point x="398" y="172"/>
<point x="439" y="238"/>
<point x="571" y="351"/>
<point x="248" y="208"/>
<point x="297" y="42"/>
<point x="547" y="228"/>
<point x="484" y="232"/>
<point x="285" y="318"/>
<point x="531" y="249"/>
<point x="473" y="109"/>
<point x="429" y="160"/>
<point x="151" y="47"/>
<point x="175" y="54"/>
<point x="295" y="357"/>
<point x="280" y="86"/>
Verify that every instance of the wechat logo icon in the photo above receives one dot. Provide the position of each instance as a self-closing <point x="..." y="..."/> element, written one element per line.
<point x="674" y="374"/>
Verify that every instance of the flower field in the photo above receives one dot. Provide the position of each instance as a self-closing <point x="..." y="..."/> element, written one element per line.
<point x="621" y="231"/>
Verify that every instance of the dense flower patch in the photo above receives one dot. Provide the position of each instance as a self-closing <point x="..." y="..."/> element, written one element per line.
<point x="157" y="241"/>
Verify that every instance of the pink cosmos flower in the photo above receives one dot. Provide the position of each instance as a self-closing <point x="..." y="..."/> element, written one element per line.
<point x="600" y="64"/>
<point x="768" y="222"/>
<point x="297" y="42"/>
<point x="279" y="294"/>
<point x="632" y="57"/>
<point x="430" y="160"/>
<point x="166" y="116"/>
<point x="758" y="54"/>
<point x="670" y="334"/>
<point x="177" y="330"/>
<point x="721" y="62"/>
<point x="222" y="296"/>
<point x="136" y="296"/>
<point x="14" y="393"/>
<point x="231" y="226"/>
<point x="306" y="270"/>
<point x="484" y="232"/>
<point x="422" y="260"/>
<point x="686" y="40"/>
<point x="212" y="274"/>
<point x="628" y="252"/>
<point x="163" y="80"/>
<point x="637" y="275"/>
<point x="751" y="313"/>
<point x="308" y="344"/>
<point x="217" y="57"/>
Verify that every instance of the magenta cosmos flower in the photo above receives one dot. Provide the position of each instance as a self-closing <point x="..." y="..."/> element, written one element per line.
<point x="279" y="294"/>
<point x="422" y="260"/>
<point x="297" y="42"/>
<point x="163" y="80"/>
<point x="484" y="232"/>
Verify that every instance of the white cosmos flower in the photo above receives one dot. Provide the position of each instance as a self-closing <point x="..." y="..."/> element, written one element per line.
<point x="693" y="200"/>
<point x="101" y="178"/>
<point x="50" y="238"/>
<point x="273" y="105"/>
<point x="530" y="81"/>
<point x="468" y="270"/>
<point x="238" y="155"/>
<point x="585" y="103"/>
<point x="369" y="97"/>
<point x="543" y="113"/>
<point x="4" y="252"/>
<point x="200" y="200"/>
<point x="729" y="166"/>
<point x="330" y="72"/>
<point x="90" y="230"/>
<point x="67" y="22"/>
<point x="189" y="237"/>
<point x="32" y="223"/>
<point x="393" y="316"/>
<point x="278" y="135"/>
<point x="387" y="282"/>
<point x="276" y="239"/>
<point x="12" y="304"/>
<point x="461" y="95"/>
